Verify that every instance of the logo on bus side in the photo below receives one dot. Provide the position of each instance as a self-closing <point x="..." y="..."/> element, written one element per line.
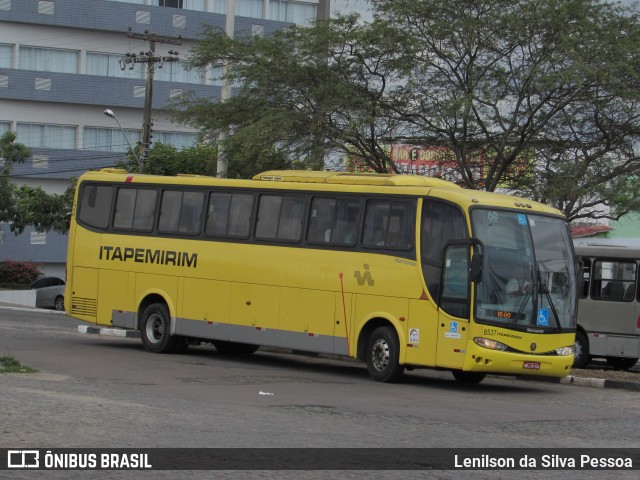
<point x="146" y="255"/>
<point x="366" y="277"/>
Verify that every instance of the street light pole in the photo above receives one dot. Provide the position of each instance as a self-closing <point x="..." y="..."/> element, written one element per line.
<point x="109" y="113"/>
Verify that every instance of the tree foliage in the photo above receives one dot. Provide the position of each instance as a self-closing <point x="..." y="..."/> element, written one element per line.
<point x="24" y="205"/>
<point x="548" y="86"/>
<point x="201" y="159"/>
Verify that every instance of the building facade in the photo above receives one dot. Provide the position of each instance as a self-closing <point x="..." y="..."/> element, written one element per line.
<point x="61" y="67"/>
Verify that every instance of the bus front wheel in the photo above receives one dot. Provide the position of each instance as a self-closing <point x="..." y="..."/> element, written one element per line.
<point x="468" y="377"/>
<point x="155" y="330"/>
<point x="581" y="353"/>
<point x="382" y="355"/>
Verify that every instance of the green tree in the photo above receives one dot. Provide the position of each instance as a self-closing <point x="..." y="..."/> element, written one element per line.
<point x="308" y="91"/>
<point x="21" y="206"/>
<point x="552" y="81"/>
<point x="201" y="159"/>
<point x="493" y="81"/>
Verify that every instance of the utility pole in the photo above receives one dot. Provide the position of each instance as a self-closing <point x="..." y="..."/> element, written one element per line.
<point x="225" y="94"/>
<point x="150" y="59"/>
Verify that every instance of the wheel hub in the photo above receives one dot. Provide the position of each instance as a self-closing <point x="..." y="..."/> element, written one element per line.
<point x="380" y="355"/>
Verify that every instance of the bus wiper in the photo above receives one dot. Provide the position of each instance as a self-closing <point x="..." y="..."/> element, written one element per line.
<point x="522" y="303"/>
<point x="547" y="294"/>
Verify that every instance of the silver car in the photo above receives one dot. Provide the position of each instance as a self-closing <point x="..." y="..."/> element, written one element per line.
<point x="49" y="292"/>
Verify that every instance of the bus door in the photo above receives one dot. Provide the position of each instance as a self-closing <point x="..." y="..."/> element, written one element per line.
<point x="453" y="311"/>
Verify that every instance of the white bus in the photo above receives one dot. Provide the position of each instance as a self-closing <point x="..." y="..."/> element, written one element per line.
<point x="609" y="306"/>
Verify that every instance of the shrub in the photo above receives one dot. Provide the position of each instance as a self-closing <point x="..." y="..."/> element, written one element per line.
<point x="18" y="274"/>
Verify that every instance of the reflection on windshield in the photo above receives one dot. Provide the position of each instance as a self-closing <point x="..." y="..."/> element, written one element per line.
<point x="528" y="273"/>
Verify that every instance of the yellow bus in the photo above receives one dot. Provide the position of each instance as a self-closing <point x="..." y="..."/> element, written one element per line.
<point x="400" y="271"/>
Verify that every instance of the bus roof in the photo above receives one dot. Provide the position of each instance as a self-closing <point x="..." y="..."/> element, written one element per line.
<point x="376" y="183"/>
<point x="305" y="176"/>
<point x="608" y="247"/>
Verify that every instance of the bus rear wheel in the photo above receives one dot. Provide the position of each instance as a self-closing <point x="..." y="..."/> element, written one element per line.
<point x="155" y="330"/>
<point x="382" y="355"/>
<point x="620" y="363"/>
<point x="581" y="351"/>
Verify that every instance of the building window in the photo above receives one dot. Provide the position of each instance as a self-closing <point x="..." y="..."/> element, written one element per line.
<point x="109" y="139"/>
<point x="249" y="8"/>
<point x="109" y="65"/>
<point x="137" y="2"/>
<point x="6" y="55"/>
<point x="293" y="12"/>
<point x="48" y="59"/>
<point x="215" y="76"/>
<point x="220" y="6"/>
<point x="36" y="135"/>
<point x="4" y="127"/>
<point x="5" y="4"/>
<point x="180" y="140"/>
<point x="170" y="3"/>
<point x="177" y="72"/>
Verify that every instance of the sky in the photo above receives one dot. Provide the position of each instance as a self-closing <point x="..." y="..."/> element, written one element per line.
<point x="349" y="6"/>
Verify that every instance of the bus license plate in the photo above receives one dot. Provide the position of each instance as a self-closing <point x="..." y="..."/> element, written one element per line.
<point x="532" y="365"/>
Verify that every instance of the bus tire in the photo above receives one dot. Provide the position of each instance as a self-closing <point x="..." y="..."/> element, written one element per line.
<point x="581" y="351"/>
<point x="234" y="348"/>
<point x="468" y="377"/>
<point x="155" y="330"/>
<point x="382" y="355"/>
<point x="620" y="363"/>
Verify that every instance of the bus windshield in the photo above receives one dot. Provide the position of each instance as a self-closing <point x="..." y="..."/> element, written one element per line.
<point x="528" y="275"/>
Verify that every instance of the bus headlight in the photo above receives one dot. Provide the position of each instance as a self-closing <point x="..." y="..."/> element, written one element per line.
<point x="565" y="351"/>
<point x="490" y="344"/>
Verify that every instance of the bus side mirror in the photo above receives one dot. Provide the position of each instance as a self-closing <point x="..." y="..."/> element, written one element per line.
<point x="476" y="267"/>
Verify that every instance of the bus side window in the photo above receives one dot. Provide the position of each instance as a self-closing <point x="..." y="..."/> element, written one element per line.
<point x="170" y="211"/>
<point x="614" y="280"/>
<point x="218" y="214"/>
<point x="135" y="208"/>
<point x="95" y="205"/>
<point x="441" y="223"/>
<point x="280" y="218"/>
<point x="191" y="213"/>
<point x="585" y="267"/>
<point x="388" y="224"/>
<point x="333" y="221"/>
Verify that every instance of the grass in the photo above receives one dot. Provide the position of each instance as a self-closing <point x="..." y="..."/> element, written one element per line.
<point x="11" y="365"/>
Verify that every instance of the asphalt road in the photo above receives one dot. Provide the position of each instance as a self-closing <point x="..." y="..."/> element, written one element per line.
<point x="96" y="391"/>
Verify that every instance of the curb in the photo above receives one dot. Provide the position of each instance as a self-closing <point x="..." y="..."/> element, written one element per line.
<point x="601" y="383"/>
<point x="112" y="332"/>
<point x="585" y="382"/>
